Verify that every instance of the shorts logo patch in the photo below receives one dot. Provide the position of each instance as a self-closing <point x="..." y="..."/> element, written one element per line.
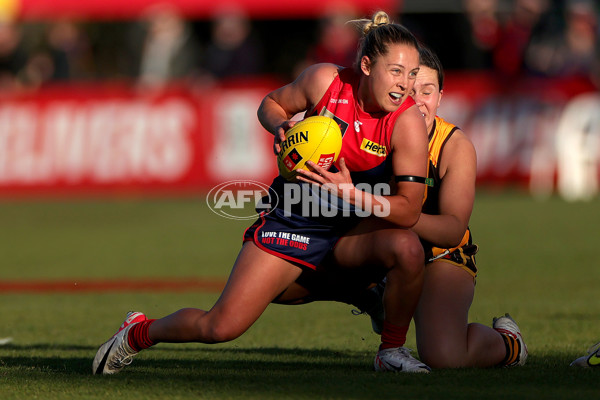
<point x="285" y="239"/>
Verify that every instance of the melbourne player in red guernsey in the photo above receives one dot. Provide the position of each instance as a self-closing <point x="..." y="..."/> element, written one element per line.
<point x="385" y="140"/>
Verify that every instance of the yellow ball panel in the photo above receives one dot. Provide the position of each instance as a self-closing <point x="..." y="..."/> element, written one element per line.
<point x="317" y="139"/>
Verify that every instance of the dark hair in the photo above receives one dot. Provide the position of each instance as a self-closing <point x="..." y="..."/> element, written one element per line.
<point x="430" y="60"/>
<point x="378" y="33"/>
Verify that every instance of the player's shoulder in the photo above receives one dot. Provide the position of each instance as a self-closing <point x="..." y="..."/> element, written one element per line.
<point x="445" y="129"/>
<point x="316" y="79"/>
<point x="321" y="74"/>
<point x="459" y="138"/>
<point x="408" y="126"/>
<point x="407" y="115"/>
<point x="459" y="145"/>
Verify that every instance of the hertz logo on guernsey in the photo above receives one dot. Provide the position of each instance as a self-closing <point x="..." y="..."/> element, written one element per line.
<point x="373" y="148"/>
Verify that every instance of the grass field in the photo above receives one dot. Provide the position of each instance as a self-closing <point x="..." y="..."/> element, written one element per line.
<point x="535" y="262"/>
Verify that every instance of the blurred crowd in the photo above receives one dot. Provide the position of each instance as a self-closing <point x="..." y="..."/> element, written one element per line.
<point x="537" y="37"/>
<point x="510" y="37"/>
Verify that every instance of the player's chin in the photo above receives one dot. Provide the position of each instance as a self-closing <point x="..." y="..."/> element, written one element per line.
<point x="390" y="107"/>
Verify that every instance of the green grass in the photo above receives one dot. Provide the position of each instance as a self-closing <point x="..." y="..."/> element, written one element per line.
<point x="90" y="239"/>
<point x="536" y="261"/>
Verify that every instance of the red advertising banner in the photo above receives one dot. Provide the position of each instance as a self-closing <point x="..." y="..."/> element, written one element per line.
<point x="114" y="139"/>
<point x="132" y="9"/>
<point x="539" y="133"/>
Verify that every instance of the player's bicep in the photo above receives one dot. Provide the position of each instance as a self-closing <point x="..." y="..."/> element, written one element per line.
<point x="457" y="190"/>
<point x="290" y="98"/>
<point x="410" y="150"/>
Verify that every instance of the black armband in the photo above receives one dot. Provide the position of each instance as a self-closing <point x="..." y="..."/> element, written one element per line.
<point x="412" y="178"/>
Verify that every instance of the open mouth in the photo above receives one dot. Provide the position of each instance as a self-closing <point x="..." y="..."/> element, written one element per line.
<point x="396" y="97"/>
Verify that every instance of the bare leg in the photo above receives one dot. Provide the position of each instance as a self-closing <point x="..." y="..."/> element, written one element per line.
<point x="256" y="279"/>
<point x="445" y="339"/>
<point x="374" y="243"/>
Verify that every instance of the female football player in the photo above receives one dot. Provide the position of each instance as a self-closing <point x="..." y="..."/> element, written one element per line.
<point x="444" y="336"/>
<point x="445" y="339"/>
<point x="371" y="103"/>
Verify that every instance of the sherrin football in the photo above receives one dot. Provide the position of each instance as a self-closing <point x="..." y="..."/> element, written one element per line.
<point x="317" y="139"/>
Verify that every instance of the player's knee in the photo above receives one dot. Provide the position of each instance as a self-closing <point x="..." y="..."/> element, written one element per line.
<point x="220" y="333"/>
<point x="212" y="329"/>
<point x="404" y="250"/>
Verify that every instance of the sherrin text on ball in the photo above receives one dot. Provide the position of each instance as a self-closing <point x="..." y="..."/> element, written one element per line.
<point x="316" y="138"/>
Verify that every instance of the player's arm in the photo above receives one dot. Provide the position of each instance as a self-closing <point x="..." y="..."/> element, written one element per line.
<point x="409" y="157"/>
<point x="279" y="106"/>
<point x="458" y="168"/>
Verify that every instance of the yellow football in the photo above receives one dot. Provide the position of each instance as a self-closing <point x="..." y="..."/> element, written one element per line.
<point x="317" y="139"/>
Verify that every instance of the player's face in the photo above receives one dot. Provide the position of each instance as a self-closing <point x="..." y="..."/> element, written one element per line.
<point x="427" y="94"/>
<point x="390" y="78"/>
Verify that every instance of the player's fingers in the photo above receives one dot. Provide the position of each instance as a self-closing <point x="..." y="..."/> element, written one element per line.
<point x="279" y="137"/>
<point x="317" y="169"/>
<point x="343" y="167"/>
<point x="301" y="178"/>
<point x="309" y="176"/>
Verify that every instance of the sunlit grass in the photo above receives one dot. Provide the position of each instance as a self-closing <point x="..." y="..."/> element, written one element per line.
<point x="536" y="261"/>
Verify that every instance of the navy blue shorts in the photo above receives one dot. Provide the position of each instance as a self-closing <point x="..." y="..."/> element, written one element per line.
<point x="294" y="238"/>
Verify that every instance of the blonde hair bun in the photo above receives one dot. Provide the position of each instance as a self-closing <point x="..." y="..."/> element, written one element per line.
<point x="378" y="19"/>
